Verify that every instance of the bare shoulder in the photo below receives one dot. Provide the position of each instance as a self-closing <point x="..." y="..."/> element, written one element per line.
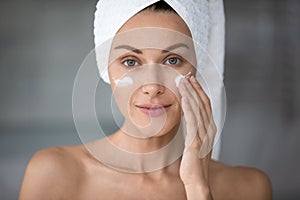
<point x="51" y="171"/>
<point x="57" y="159"/>
<point x="240" y="182"/>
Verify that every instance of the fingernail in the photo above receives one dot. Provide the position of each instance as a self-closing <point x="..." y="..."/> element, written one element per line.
<point x="188" y="75"/>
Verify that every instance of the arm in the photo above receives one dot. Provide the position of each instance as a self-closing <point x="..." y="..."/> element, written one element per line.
<point x="196" y="192"/>
<point x="201" y="130"/>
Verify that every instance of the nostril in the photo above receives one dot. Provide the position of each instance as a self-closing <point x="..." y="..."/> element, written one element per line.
<point x="153" y="89"/>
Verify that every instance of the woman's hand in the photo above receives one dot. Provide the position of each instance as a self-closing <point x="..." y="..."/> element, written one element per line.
<point x="201" y="130"/>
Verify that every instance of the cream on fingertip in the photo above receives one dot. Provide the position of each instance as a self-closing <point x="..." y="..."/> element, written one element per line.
<point x="179" y="77"/>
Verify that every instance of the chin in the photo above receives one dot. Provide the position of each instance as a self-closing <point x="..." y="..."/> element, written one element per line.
<point x="171" y="129"/>
<point x="145" y="127"/>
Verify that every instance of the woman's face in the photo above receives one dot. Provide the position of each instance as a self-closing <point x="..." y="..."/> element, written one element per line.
<point x="147" y="61"/>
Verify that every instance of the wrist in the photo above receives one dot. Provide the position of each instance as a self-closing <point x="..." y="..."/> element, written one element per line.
<point x="197" y="191"/>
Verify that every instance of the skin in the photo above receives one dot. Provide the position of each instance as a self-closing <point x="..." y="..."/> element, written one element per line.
<point x="70" y="172"/>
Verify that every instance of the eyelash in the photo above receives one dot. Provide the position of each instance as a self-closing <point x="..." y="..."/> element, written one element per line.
<point x="127" y="60"/>
<point x="124" y="61"/>
<point x="179" y="61"/>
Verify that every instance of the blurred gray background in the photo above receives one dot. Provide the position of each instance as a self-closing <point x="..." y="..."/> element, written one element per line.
<point x="42" y="44"/>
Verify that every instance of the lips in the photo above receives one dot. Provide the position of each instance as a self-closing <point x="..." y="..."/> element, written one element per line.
<point x="153" y="110"/>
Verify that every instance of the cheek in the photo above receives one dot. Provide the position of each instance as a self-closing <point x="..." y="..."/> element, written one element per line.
<point x="122" y="98"/>
<point x="173" y="120"/>
<point x="113" y="75"/>
<point x="116" y="71"/>
<point x="178" y="111"/>
<point x="125" y="98"/>
<point x="122" y="91"/>
<point x="174" y="115"/>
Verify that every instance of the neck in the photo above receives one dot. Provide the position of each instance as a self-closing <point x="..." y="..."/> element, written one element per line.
<point x="139" y="155"/>
<point x="134" y="144"/>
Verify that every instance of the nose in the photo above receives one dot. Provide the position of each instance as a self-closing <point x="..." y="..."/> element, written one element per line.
<point x="152" y="82"/>
<point x="153" y="89"/>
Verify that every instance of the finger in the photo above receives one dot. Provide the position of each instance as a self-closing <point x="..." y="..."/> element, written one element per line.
<point x="201" y="93"/>
<point x="207" y="144"/>
<point x="194" y="107"/>
<point x="208" y="141"/>
<point x="184" y="92"/>
<point x="202" y="145"/>
<point x="205" y="99"/>
<point x="191" y="123"/>
<point x="200" y="104"/>
<point x="190" y="89"/>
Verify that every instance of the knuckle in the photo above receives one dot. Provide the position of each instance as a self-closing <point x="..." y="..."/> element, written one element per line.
<point x="195" y="146"/>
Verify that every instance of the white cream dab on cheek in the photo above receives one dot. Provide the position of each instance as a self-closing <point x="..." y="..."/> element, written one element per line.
<point x="125" y="81"/>
<point x="179" y="77"/>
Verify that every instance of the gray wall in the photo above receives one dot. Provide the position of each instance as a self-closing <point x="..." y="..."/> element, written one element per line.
<point x="42" y="44"/>
<point x="262" y="83"/>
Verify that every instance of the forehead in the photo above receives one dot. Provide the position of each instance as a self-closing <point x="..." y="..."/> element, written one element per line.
<point x="158" y="19"/>
<point x="164" y="40"/>
<point x="154" y="30"/>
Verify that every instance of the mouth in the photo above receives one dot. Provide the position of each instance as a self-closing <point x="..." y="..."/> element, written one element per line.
<point x="153" y="110"/>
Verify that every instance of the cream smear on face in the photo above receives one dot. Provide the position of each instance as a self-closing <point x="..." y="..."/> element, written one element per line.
<point x="126" y="80"/>
<point x="179" y="77"/>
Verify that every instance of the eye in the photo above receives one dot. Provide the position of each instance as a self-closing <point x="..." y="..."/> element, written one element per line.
<point x="173" y="61"/>
<point x="130" y="63"/>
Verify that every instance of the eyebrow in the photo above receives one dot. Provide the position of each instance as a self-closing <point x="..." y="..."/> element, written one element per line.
<point x="175" y="46"/>
<point x="135" y="50"/>
<point x="168" y="49"/>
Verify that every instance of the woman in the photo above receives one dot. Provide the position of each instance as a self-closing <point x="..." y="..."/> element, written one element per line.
<point x="72" y="172"/>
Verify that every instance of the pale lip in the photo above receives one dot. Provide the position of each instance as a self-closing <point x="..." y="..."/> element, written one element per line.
<point x="153" y="110"/>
